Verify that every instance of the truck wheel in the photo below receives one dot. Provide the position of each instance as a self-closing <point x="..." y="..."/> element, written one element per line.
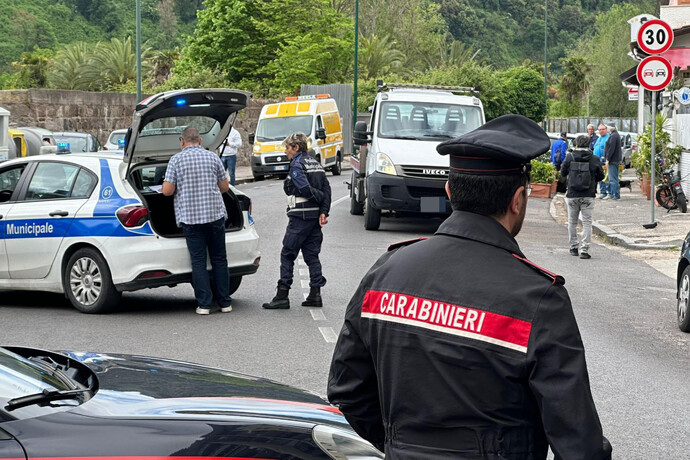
<point x="337" y="168"/>
<point x="258" y="177"/>
<point x="372" y="217"/>
<point x="88" y="284"/>
<point x="356" y="208"/>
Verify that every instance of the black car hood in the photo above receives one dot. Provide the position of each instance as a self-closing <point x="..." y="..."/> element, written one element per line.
<point x="134" y="386"/>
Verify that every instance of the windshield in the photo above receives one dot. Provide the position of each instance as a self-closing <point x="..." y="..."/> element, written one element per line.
<point x="76" y="144"/>
<point x="424" y="120"/>
<point x="175" y="125"/>
<point x="114" y="137"/>
<point x="277" y="129"/>
<point x="21" y="377"/>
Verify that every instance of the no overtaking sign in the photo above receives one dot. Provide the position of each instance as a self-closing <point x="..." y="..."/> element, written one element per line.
<point x="654" y="73"/>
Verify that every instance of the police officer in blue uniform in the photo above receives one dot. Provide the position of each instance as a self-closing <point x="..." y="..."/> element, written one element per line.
<point x="309" y="201"/>
<point x="457" y="346"/>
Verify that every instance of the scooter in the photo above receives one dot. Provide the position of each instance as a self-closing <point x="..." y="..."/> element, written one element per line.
<point x="670" y="193"/>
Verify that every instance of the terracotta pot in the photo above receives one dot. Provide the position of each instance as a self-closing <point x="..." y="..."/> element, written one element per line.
<point x="541" y="190"/>
<point x="554" y="186"/>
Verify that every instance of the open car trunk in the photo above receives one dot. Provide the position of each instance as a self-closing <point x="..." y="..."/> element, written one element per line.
<point x="161" y="209"/>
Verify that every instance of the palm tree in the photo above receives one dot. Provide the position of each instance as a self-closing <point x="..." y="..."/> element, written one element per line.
<point x="459" y="53"/>
<point x="73" y="68"/>
<point x="379" y="56"/>
<point x="33" y="66"/>
<point x="162" y="63"/>
<point x="117" y="62"/>
<point x="575" y="80"/>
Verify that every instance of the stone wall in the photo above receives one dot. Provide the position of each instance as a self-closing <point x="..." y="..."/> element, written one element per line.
<point x="97" y="113"/>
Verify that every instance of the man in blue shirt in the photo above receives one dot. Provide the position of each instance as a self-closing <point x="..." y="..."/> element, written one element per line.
<point x="558" y="150"/>
<point x="599" y="152"/>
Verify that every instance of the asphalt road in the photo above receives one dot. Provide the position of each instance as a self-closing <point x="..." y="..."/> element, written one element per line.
<point x="637" y="357"/>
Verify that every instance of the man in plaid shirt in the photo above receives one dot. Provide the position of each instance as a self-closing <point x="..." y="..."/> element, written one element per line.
<point x="197" y="179"/>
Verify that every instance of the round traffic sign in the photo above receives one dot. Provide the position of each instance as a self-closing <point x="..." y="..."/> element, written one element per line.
<point x="655" y="37"/>
<point x="654" y="73"/>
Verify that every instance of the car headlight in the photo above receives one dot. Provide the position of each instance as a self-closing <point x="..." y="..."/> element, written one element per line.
<point x="257" y="149"/>
<point x="384" y="164"/>
<point x="344" y="445"/>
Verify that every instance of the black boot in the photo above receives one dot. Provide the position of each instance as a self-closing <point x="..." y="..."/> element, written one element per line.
<point x="314" y="298"/>
<point x="281" y="300"/>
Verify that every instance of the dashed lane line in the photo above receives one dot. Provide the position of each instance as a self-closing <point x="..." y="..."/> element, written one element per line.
<point x="340" y="200"/>
<point x="329" y="334"/>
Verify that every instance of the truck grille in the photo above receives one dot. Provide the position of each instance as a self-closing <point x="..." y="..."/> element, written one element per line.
<point x="425" y="172"/>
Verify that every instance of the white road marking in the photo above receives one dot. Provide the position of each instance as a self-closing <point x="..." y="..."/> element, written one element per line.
<point x="317" y="314"/>
<point x="305" y="284"/>
<point x="340" y="200"/>
<point x="304" y="272"/>
<point x="329" y="334"/>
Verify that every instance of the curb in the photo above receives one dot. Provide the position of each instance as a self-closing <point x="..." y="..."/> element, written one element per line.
<point x="611" y="235"/>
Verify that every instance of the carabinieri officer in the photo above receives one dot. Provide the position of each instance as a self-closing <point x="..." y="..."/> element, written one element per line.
<point x="309" y="200"/>
<point x="457" y="346"/>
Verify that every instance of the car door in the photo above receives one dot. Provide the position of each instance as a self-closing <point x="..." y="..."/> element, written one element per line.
<point x="39" y="220"/>
<point x="10" y="176"/>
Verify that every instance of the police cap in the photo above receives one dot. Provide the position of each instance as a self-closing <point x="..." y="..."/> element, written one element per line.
<point x="503" y="146"/>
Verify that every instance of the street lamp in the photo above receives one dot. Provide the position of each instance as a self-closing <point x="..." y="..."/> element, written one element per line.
<point x="138" y="49"/>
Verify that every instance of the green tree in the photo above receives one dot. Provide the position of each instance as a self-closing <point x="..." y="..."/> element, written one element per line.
<point x="524" y="92"/>
<point x="73" y="68"/>
<point x="33" y="67"/>
<point x="379" y="56"/>
<point x="118" y="62"/>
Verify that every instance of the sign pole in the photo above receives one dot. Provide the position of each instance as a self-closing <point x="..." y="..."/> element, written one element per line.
<point x="653" y="159"/>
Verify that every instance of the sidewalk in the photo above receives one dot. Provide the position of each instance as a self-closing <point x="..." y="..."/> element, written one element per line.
<point x="620" y="221"/>
<point x="243" y="174"/>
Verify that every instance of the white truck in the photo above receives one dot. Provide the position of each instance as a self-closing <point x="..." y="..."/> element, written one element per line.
<point x="397" y="168"/>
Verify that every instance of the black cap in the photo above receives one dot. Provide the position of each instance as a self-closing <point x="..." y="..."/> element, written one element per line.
<point x="564" y="134"/>
<point x="504" y="145"/>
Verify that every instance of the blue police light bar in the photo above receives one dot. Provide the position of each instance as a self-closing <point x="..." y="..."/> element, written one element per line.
<point x="121" y="143"/>
<point x="181" y="101"/>
<point x="63" y="147"/>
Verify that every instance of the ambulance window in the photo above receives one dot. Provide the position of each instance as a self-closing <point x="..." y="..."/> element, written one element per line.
<point x="51" y="181"/>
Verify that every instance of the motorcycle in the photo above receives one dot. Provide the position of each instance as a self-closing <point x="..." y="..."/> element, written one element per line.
<point x="670" y="193"/>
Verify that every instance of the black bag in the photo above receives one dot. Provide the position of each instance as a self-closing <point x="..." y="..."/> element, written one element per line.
<point x="579" y="177"/>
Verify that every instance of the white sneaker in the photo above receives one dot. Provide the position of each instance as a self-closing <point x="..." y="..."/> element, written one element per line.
<point x="607" y="197"/>
<point x="203" y="311"/>
<point x="226" y="309"/>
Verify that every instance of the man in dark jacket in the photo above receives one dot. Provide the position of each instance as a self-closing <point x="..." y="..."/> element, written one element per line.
<point x="309" y="200"/>
<point x="457" y="346"/>
<point x="614" y="155"/>
<point x="585" y="171"/>
<point x="591" y="132"/>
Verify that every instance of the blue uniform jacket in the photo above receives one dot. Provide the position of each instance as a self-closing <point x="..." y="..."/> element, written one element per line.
<point x="308" y="183"/>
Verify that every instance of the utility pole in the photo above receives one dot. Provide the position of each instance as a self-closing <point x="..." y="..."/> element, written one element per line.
<point x="354" y="108"/>
<point x="546" y="103"/>
<point x="138" y="49"/>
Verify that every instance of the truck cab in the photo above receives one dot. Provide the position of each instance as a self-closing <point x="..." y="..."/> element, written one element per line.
<point x="397" y="169"/>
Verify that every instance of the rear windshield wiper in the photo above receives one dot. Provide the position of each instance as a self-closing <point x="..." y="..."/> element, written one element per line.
<point x="444" y="136"/>
<point x="43" y="397"/>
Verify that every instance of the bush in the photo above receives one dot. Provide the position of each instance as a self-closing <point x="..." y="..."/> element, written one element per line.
<point x="542" y="173"/>
<point x="641" y="159"/>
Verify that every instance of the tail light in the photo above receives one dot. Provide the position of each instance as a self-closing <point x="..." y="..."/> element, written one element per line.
<point x="133" y="216"/>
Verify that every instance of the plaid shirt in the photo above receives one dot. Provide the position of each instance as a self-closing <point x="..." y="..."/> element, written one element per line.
<point x="195" y="172"/>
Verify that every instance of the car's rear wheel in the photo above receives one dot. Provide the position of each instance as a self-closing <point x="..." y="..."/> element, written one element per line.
<point x="88" y="283"/>
<point x="234" y="284"/>
<point x="683" y="310"/>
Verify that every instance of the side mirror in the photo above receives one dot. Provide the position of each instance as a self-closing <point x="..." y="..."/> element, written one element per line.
<point x="360" y="136"/>
<point x="321" y="133"/>
<point x="251" y="138"/>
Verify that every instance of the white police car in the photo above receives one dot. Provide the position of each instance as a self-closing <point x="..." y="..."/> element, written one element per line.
<point x="94" y="225"/>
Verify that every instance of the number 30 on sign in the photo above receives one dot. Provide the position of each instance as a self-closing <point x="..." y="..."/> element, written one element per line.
<point x="655" y="37"/>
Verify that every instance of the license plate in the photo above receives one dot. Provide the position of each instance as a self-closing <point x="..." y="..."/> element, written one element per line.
<point x="280" y="168"/>
<point x="433" y="204"/>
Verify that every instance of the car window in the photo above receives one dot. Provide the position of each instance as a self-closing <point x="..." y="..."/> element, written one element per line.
<point x="51" y="181"/>
<point x="277" y="129"/>
<point x="114" y="137"/>
<point x="422" y="120"/>
<point x="9" y="178"/>
<point x="84" y="184"/>
<point x="76" y="144"/>
<point x="175" y="125"/>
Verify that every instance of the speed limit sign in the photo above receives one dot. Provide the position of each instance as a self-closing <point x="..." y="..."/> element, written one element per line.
<point x="655" y="37"/>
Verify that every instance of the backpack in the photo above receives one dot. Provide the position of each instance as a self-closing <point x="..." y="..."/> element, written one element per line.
<point x="579" y="177"/>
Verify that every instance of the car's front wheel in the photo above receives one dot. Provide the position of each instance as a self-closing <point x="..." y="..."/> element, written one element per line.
<point x="88" y="283"/>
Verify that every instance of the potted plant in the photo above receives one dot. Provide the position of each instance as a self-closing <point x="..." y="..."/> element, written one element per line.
<point x="543" y="178"/>
<point x="641" y="159"/>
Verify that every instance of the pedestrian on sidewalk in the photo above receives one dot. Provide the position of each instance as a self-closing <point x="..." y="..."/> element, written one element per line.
<point x="582" y="171"/>
<point x="592" y="136"/>
<point x="197" y="179"/>
<point x="309" y="201"/>
<point x="229" y="148"/>
<point x="614" y="155"/>
<point x="558" y="150"/>
<point x="457" y="346"/>
<point x="599" y="153"/>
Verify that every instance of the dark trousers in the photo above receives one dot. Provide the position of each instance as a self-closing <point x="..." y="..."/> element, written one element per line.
<point x="200" y="239"/>
<point x="302" y="235"/>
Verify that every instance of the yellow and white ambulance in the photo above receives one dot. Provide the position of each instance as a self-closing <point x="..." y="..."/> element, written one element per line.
<point x="316" y="116"/>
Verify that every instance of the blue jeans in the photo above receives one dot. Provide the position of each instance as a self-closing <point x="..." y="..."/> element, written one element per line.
<point x="211" y="237"/>
<point x="229" y="163"/>
<point x="603" y="188"/>
<point x="614" y="185"/>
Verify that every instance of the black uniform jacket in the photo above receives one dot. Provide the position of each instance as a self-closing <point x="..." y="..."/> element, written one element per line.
<point x="307" y="181"/>
<point x="458" y="347"/>
<point x="595" y="170"/>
